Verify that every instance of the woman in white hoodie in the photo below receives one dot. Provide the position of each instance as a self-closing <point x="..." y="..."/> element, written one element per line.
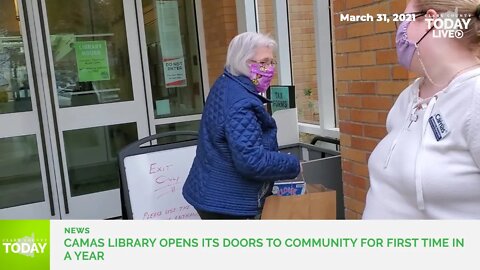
<point x="428" y="165"/>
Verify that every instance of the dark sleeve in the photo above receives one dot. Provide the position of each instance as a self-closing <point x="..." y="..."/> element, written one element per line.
<point x="250" y="157"/>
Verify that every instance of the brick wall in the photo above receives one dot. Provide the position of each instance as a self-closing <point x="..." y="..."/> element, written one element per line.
<point x="368" y="80"/>
<point x="220" y="26"/>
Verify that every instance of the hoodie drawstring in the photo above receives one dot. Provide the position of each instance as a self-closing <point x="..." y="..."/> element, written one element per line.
<point x="418" y="167"/>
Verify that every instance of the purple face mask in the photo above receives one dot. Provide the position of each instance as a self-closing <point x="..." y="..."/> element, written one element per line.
<point x="405" y="48"/>
<point x="261" y="76"/>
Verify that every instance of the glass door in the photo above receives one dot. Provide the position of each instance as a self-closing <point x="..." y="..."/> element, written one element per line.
<point x="71" y="96"/>
<point x="26" y="186"/>
<point x="97" y="98"/>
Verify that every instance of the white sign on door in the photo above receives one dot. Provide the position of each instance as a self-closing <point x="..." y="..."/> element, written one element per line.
<point x="174" y="72"/>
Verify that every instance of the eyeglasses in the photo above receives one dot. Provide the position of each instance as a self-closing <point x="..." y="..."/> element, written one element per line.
<point x="265" y="62"/>
<point x="411" y="16"/>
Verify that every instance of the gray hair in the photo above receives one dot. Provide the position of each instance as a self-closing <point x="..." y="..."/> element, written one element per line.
<point x="242" y="48"/>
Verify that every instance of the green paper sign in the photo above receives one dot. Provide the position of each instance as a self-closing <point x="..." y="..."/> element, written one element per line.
<point x="280" y="98"/>
<point x="92" y="61"/>
<point x="25" y="244"/>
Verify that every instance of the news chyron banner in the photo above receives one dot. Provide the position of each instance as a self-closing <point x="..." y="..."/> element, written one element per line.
<point x="197" y="244"/>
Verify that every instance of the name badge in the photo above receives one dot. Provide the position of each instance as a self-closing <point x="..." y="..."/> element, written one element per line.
<point x="439" y="126"/>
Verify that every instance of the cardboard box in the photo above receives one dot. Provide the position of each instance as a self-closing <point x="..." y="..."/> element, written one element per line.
<point x="317" y="203"/>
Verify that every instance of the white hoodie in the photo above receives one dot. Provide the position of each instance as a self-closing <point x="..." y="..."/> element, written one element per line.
<point x="414" y="176"/>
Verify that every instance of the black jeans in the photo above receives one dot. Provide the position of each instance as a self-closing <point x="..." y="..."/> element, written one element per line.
<point x="212" y="215"/>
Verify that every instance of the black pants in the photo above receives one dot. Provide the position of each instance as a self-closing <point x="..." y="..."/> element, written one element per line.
<point x="212" y="215"/>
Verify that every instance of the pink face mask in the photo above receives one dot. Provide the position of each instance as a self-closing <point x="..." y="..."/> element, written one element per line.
<point x="261" y="76"/>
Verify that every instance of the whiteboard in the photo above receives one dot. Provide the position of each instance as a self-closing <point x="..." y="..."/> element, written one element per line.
<point x="155" y="181"/>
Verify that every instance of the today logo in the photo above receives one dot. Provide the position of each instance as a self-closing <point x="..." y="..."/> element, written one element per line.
<point x="27" y="246"/>
<point x="449" y="24"/>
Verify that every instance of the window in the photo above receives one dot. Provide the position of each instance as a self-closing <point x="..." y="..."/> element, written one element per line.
<point x="324" y="76"/>
<point x="304" y="67"/>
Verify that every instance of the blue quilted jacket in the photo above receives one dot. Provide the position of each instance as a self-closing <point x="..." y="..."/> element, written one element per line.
<point x="237" y="155"/>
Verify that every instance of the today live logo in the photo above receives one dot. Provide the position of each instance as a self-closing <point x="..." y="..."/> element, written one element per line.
<point x="27" y="245"/>
<point x="449" y="24"/>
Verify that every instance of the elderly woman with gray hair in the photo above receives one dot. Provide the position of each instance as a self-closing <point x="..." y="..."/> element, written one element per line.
<point x="237" y="157"/>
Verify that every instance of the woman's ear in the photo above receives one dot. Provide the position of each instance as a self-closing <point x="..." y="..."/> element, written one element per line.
<point x="431" y="15"/>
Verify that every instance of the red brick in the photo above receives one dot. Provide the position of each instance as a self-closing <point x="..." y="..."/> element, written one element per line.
<point x="351" y="215"/>
<point x="351" y="128"/>
<point x="382" y="117"/>
<point x="382" y="27"/>
<point x="348" y="45"/>
<point x="338" y="5"/>
<point x="353" y="204"/>
<point x="342" y="87"/>
<point x="340" y="32"/>
<point x="360" y="169"/>
<point x="337" y="21"/>
<point x="345" y="139"/>
<point x="364" y="116"/>
<point x="341" y="60"/>
<point x="376" y="73"/>
<point x="356" y="181"/>
<point x="391" y="88"/>
<point x="380" y="7"/>
<point x="382" y="41"/>
<point x="360" y="29"/>
<point x="348" y="74"/>
<point x="377" y="102"/>
<point x="356" y="3"/>
<point x="354" y="193"/>
<point x="349" y="101"/>
<point x="348" y="191"/>
<point x="344" y="114"/>
<point x="362" y="88"/>
<point x="353" y="154"/>
<point x="347" y="164"/>
<point x="363" y="143"/>
<point x="398" y="6"/>
<point x="361" y="59"/>
<point x="386" y="57"/>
